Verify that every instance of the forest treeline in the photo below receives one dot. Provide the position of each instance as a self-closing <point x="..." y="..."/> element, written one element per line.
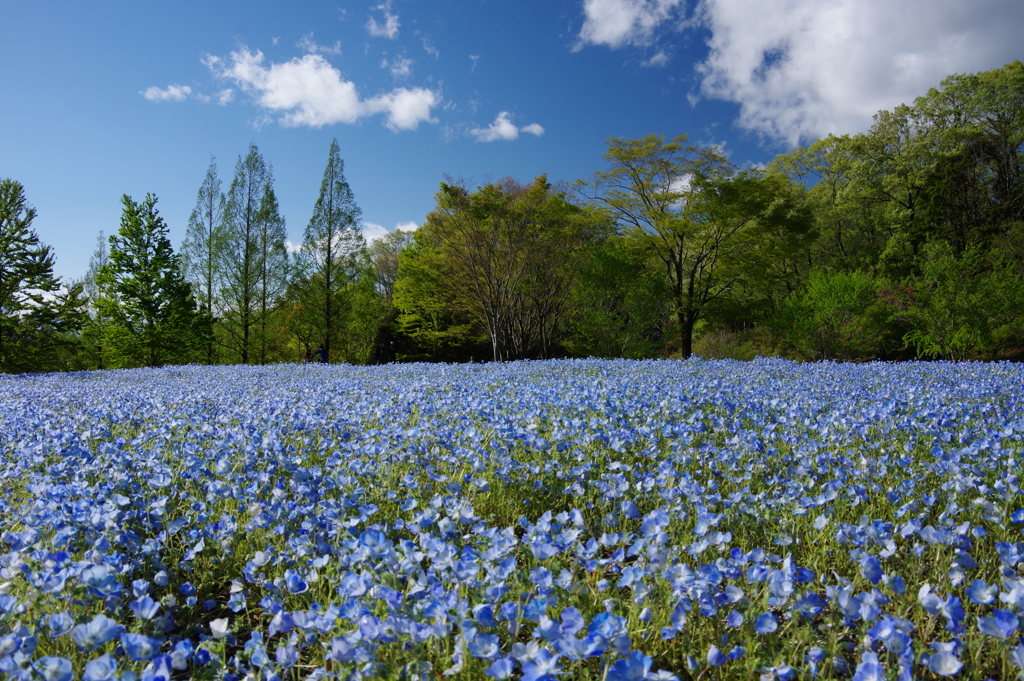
<point x="904" y="241"/>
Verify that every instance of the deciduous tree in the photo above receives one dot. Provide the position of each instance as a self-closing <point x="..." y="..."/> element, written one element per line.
<point x="203" y="248"/>
<point x="699" y="219"/>
<point x="332" y="260"/>
<point x="254" y="252"/>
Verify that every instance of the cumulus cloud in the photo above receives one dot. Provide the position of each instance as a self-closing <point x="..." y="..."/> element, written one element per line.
<point x="805" y="68"/>
<point x="504" y="129"/>
<point x="620" y="22"/>
<point x="310" y="92"/>
<point x="800" y="69"/>
<point x="386" y="29"/>
<point x="172" y="93"/>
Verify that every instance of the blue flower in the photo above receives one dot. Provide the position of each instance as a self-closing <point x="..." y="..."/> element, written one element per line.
<point x="869" y="669"/>
<point x="95" y="633"/>
<point x="716" y="658"/>
<point x="501" y="668"/>
<point x="632" y="668"/>
<point x="766" y="623"/>
<point x="484" y="646"/>
<point x="577" y="649"/>
<point x="1000" y="625"/>
<point x="60" y="623"/>
<point x="293" y="582"/>
<point x="944" y="663"/>
<point x="144" y="608"/>
<point x="1016" y="655"/>
<point x="287" y="656"/>
<point x="100" y="669"/>
<point x="544" y="663"/>
<point x="607" y="625"/>
<point x="139" y="646"/>
<point x="54" y="668"/>
<point x="980" y="593"/>
<point x="871" y="569"/>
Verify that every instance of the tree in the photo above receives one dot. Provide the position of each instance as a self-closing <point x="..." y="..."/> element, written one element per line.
<point x="957" y="301"/>
<point x="151" y="310"/>
<point x="385" y="254"/>
<point x="385" y="258"/>
<point x="499" y="258"/>
<point x="333" y="257"/>
<point x="27" y="283"/>
<point x="274" y="272"/>
<point x="253" y="251"/>
<point x="94" y="326"/>
<point x="619" y="304"/>
<point x="703" y="223"/>
<point x="203" y="247"/>
<point x="835" y="315"/>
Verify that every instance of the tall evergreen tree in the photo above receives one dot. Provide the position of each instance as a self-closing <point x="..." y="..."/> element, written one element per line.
<point x="246" y="212"/>
<point x="333" y="256"/>
<point x="26" y="278"/>
<point x="203" y="247"/>
<point x="152" y="312"/>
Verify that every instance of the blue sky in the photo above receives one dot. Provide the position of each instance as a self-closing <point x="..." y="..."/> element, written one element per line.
<point x="109" y="98"/>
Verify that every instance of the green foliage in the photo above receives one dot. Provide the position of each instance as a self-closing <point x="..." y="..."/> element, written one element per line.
<point x="254" y="269"/>
<point x="149" y="310"/>
<point x="497" y="262"/>
<point x="620" y="305"/>
<point x="706" y="225"/>
<point x="955" y="303"/>
<point x="33" y="314"/>
<point x="203" y="248"/>
<point x="335" y="306"/>
<point x="835" y="315"/>
<point x="429" y="312"/>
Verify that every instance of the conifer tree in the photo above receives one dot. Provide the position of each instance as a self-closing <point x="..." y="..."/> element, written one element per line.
<point x="150" y="308"/>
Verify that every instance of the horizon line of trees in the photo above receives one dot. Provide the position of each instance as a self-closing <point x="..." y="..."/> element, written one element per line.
<point x="904" y="241"/>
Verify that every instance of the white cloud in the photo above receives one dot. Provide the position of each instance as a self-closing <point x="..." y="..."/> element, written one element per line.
<point x="504" y="129"/>
<point x="429" y="48"/>
<point x="387" y="29"/>
<point x="626" y="22"/>
<point x="401" y="67"/>
<point x="373" y="232"/>
<point x="800" y="69"/>
<point x="804" y="68"/>
<point x="659" y="59"/>
<point x="307" y="44"/>
<point x="172" y="93"/>
<point x="405" y="107"/>
<point x="533" y="129"/>
<point x="311" y="92"/>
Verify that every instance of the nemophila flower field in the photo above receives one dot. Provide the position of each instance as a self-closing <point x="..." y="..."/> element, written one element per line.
<point x="584" y="519"/>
